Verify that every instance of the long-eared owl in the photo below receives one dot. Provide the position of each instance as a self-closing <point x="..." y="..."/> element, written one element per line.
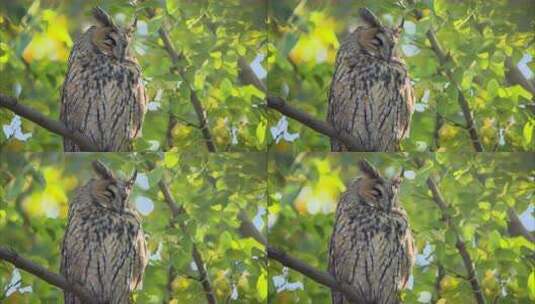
<point x="371" y="246"/>
<point x="104" y="247"/>
<point x="371" y="94"/>
<point x="103" y="96"/>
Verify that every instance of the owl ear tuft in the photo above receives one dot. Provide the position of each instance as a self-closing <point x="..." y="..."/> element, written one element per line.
<point x="101" y="170"/>
<point x="102" y="17"/>
<point x="369" y="170"/>
<point x="367" y="16"/>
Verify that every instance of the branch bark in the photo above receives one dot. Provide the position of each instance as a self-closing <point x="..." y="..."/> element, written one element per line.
<point x="177" y="210"/>
<point x="460" y="244"/>
<point x="48" y="276"/>
<point x="51" y="125"/>
<point x="249" y="230"/>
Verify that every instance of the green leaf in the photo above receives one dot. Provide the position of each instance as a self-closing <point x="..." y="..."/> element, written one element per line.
<point x="492" y="87"/>
<point x="170" y="159"/>
<point x="531" y="285"/>
<point x="261" y="133"/>
<point x="262" y="286"/>
<point x="528" y="133"/>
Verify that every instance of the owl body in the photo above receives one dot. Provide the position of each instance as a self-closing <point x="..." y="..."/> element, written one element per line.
<point x="103" y="96"/>
<point x="104" y="247"/>
<point x="371" y="246"/>
<point x="371" y="94"/>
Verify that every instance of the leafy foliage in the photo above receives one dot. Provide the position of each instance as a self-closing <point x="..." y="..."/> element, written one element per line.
<point x="211" y="188"/>
<point x="479" y="188"/>
<point x="36" y="38"/>
<point x="478" y="36"/>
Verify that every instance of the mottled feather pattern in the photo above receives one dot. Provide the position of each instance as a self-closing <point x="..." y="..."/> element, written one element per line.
<point x="102" y="97"/>
<point x="371" y="249"/>
<point x="103" y="249"/>
<point x="370" y="96"/>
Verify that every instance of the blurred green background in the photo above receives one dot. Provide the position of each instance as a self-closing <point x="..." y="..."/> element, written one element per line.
<point x="36" y="37"/>
<point x="479" y="188"/>
<point x="34" y="193"/>
<point x="479" y="35"/>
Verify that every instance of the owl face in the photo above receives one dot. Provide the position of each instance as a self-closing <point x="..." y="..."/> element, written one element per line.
<point x="110" y="39"/>
<point x="108" y="191"/>
<point x="376" y="39"/>
<point x="377" y="191"/>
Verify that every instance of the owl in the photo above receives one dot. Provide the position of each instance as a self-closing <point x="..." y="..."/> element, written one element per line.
<point x="371" y="96"/>
<point x="103" y="96"/>
<point x="371" y="247"/>
<point x="104" y="247"/>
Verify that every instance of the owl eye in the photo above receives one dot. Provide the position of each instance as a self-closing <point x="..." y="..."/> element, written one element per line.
<point x="109" y="42"/>
<point x="377" y="191"/>
<point x="111" y="191"/>
<point x="378" y="42"/>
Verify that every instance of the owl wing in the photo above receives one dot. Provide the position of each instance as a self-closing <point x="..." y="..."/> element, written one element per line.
<point x="140" y="98"/>
<point x="407" y="95"/>
<point x="408" y="259"/>
<point x="342" y="96"/>
<point x="141" y="260"/>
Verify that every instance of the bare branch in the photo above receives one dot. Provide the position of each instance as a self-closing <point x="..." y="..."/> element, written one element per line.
<point x="53" y="126"/>
<point x="249" y="230"/>
<point x="48" y="276"/>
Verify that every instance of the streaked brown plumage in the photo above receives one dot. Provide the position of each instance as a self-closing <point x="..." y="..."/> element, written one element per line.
<point x="103" y="96"/>
<point x="371" y="95"/>
<point x="104" y="246"/>
<point x="371" y="246"/>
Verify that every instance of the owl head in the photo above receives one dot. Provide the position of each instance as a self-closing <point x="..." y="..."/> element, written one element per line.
<point x="376" y="39"/>
<point x="109" y="38"/>
<point x="108" y="191"/>
<point x="375" y="190"/>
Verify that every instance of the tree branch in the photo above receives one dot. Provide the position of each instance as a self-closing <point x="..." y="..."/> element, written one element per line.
<point x="515" y="226"/>
<point x="322" y="127"/>
<point x="51" y="125"/>
<point x="42" y="273"/>
<point x="176" y="210"/>
<point x="248" y="76"/>
<point x="460" y="244"/>
<point x="249" y="230"/>
<point x="443" y="59"/>
<point x="463" y="103"/>
<point x="194" y="99"/>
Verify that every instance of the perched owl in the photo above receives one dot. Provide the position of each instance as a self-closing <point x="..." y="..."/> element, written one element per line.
<point x="103" y="96"/>
<point x="104" y="246"/>
<point x="371" y="95"/>
<point x="371" y="246"/>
